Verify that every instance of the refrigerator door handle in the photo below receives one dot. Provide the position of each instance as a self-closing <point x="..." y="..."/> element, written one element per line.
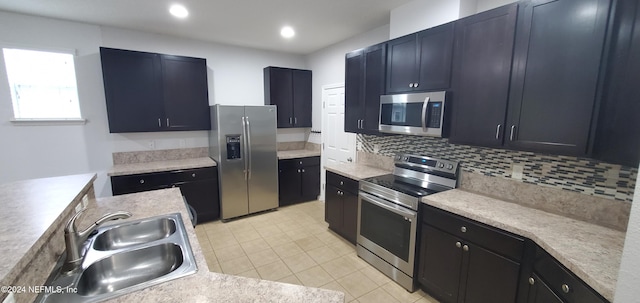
<point x="248" y="147"/>
<point x="244" y="148"/>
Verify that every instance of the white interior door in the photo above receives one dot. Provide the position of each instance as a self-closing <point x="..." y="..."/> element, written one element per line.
<point x="338" y="146"/>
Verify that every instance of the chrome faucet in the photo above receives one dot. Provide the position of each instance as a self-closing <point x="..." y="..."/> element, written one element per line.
<point x="74" y="239"/>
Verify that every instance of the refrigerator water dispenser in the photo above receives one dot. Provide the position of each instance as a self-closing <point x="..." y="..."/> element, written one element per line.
<point x="233" y="147"/>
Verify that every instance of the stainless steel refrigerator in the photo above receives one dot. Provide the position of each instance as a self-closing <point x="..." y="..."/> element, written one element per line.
<point x="242" y="141"/>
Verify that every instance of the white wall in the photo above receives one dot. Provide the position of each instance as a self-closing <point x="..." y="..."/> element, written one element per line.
<point x="328" y="65"/>
<point x="484" y="5"/>
<point x="422" y="14"/>
<point x="235" y="77"/>
<point x="629" y="276"/>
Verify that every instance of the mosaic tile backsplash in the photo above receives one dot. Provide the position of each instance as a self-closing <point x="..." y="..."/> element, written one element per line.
<point x="583" y="175"/>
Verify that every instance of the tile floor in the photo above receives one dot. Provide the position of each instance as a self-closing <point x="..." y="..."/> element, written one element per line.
<point x="294" y="245"/>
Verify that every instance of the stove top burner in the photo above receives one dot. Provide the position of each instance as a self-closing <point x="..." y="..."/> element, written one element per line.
<point x="394" y="182"/>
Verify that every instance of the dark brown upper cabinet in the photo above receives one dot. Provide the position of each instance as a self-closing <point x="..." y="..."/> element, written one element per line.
<point x="556" y="64"/>
<point x="149" y="92"/>
<point x="482" y="69"/>
<point x="420" y="61"/>
<point x="616" y="138"/>
<point x="289" y="90"/>
<point x="364" y="83"/>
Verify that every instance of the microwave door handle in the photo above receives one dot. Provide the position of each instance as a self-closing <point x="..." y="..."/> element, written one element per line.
<point x="425" y="106"/>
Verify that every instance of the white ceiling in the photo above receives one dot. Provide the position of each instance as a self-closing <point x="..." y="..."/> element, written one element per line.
<point x="250" y="23"/>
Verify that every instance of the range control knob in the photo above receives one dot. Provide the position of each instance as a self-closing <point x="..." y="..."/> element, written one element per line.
<point x="449" y="166"/>
<point x="441" y="165"/>
<point x="405" y="158"/>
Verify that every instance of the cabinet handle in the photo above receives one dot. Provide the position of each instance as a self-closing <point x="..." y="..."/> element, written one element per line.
<point x="298" y="170"/>
<point x="565" y="288"/>
<point x="173" y="185"/>
<point x="465" y="248"/>
<point x="410" y="84"/>
<point x="513" y="127"/>
<point x="463" y="229"/>
<point x="300" y="162"/>
<point x="193" y="175"/>
<point x="167" y="122"/>
<point x="159" y="123"/>
<point x="141" y="181"/>
<point x="498" y="131"/>
<point x="295" y="120"/>
<point x="532" y="281"/>
<point x="415" y="84"/>
<point x="290" y="120"/>
<point x="341" y="182"/>
<point x="303" y="170"/>
<point x="458" y="244"/>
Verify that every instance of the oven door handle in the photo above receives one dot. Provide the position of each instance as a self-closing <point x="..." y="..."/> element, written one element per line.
<point x="386" y="205"/>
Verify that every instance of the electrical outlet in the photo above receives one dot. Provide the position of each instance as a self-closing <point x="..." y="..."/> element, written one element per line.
<point x="151" y="144"/>
<point x="85" y="201"/>
<point x="516" y="171"/>
<point x="79" y="207"/>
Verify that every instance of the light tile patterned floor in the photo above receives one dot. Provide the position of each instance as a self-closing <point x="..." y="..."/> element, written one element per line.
<point x="294" y="245"/>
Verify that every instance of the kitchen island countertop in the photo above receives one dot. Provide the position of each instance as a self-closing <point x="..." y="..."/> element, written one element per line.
<point x="203" y="286"/>
<point x="590" y="251"/>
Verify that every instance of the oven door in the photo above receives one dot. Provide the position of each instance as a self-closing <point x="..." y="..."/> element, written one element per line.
<point x="388" y="231"/>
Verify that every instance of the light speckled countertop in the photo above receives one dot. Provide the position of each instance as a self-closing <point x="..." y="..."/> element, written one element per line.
<point x="30" y="211"/>
<point x="203" y="286"/>
<point x="590" y="251"/>
<point x="159" y="166"/>
<point x="356" y="171"/>
<point x="298" y="153"/>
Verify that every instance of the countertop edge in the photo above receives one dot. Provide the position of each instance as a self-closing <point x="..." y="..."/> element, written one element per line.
<point x="356" y="171"/>
<point x="159" y="166"/>
<point x="566" y="261"/>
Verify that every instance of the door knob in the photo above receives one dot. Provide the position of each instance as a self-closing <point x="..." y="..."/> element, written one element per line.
<point x="349" y="159"/>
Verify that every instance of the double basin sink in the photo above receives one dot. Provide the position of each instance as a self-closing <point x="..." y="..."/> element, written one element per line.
<point x="125" y="257"/>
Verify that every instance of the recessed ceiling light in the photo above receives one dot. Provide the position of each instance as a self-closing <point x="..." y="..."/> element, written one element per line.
<point x="179" y="11"/>
<point x="287" y="32"/>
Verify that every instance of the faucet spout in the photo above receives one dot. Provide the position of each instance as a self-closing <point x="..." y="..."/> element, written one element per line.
<point x="74" y="239"/>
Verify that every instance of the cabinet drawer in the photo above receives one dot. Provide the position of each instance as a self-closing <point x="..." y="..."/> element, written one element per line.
<point x="492" y="238"/>
<point x="140" y="182"/>
<point x="562" y="282"/>
<point x="193" y="174"/>
<point x="342" y="182"/>
<point x="308" y="161"/>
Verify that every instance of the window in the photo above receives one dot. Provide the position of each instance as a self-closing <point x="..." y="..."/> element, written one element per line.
<point x="42" y="84"/>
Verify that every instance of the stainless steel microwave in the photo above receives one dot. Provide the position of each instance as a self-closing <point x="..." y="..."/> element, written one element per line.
<point x="420" y="114"/>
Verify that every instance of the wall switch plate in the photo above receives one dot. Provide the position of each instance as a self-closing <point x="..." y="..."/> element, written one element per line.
<point x="516" y="171"/>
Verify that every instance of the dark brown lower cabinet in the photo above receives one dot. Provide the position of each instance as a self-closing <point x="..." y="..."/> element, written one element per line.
<point x="455" y="270"/>
<point x="341" y="206"/>
<point x="298" y="180"/>
<point x="461" y="260"/>
<point x="199" y="186"/>
<point x="540" y="292"/>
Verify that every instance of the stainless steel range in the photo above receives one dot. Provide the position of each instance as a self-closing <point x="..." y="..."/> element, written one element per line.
<point x="388" y="213"/>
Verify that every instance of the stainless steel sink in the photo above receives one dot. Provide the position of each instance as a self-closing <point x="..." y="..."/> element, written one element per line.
<point x="134" y="234"/>
<point x="126" y="257"/>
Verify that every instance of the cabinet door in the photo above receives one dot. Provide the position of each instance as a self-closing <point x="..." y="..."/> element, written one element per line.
<point x="482" y="67"/>
<point x="301" y="82"/>
<point x="489" y="277"/>
<point x="374" y="82"/>
<point x="440" y="264"/>
<point x="289" y="182"/>
<point x="353" y="90"/>
<point x="556" y="64"/>
<point x="616" y="139"/>
<point x="133" y="90"/>
<point x="310" y="182"/>
<point x="203" y="196"/>
<point x="540" y="292"/>
<point x="350" y="216"/>
<point x="435" y="47"/>
<point x="279" y="92"/>
<point x="333" y="212"/>
<point x="401" y="64"/>
<point x="186" y="100"/>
